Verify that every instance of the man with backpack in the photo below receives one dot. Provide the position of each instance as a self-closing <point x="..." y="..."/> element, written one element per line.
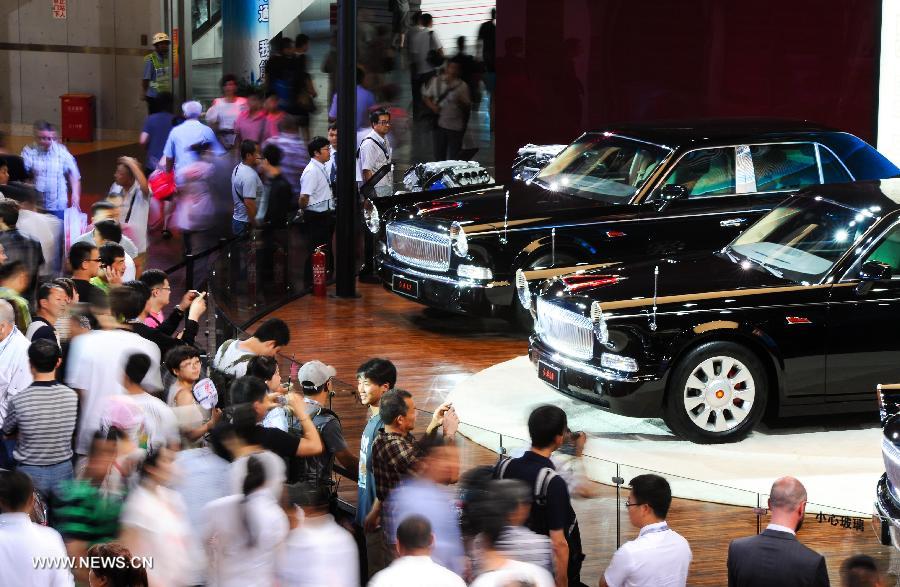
<point x="316" y="378"/>
<point x="232" y="356"/>
<point x="551" y="510"/>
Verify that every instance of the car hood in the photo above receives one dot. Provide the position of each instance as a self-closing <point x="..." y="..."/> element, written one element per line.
<point x="690" y="281"/>
<point x="487" y="210"/>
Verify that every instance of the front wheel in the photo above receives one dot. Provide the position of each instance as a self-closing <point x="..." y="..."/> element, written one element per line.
<point x="717" y="394"/>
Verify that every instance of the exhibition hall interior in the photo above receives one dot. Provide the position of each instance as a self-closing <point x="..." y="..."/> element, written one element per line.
<point x="449" y="292"/>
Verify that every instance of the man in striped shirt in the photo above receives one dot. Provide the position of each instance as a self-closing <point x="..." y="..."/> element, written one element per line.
<point x="44" y="414"/>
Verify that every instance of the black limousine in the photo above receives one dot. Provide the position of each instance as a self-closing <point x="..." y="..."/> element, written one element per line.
<point x="628" y="192"/>
<point x="799" y="315"/>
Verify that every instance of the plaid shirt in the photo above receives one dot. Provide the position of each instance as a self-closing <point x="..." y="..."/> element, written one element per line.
<point x="393" y="456"/>
<point x="49" y="169"/>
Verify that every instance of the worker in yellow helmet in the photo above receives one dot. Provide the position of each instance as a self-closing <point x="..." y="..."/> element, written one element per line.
<point x="157" y="76"/>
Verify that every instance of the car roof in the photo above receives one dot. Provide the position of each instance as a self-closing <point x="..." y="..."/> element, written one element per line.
<point x="883" y="193"/>
<point x="717" y="130"/>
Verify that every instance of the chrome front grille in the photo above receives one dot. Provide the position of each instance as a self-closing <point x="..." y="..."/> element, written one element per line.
<point x="891" y="455"/>
<point x="568" y="332"/>
<point x="419" y="247"/>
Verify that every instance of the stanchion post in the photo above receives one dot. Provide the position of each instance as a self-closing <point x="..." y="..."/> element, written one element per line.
<point x="346" y="163"/>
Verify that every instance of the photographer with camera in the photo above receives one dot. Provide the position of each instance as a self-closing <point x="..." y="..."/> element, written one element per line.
<point x="316" y="379"/>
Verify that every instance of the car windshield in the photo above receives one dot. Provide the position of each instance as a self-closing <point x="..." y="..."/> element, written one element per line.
<point x="604" y="167"/>
<point x="802" y="240"/>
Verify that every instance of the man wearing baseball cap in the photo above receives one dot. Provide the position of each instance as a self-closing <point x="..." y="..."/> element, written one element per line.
<point x="316" y="379"/>
<point x="157" y="71"/>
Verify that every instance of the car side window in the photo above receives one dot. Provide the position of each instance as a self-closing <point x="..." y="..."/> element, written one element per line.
<point x="888" y="251"/>
<point x="783" y="167"/>
<point x="832" y="169"/>
<point x="706" y="172"/>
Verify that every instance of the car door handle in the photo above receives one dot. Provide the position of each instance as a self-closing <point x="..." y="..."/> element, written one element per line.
<point x="733" y="222"/>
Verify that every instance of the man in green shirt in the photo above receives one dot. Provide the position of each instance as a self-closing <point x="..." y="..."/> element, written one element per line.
<point x="14" y="280"/>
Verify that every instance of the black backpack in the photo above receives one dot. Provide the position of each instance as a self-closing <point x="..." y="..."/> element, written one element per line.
<point x="537" y="520"/>
<point x="309" y="469"/>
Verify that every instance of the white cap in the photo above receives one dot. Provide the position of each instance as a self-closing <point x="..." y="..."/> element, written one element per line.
<point x="315" y="372"/>
<point x="192" y="109"/>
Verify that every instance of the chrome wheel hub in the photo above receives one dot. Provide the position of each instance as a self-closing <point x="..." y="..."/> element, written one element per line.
<point x="719" y="394"/>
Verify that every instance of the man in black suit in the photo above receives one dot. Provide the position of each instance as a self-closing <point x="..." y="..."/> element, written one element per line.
<point x="776" y="557"/>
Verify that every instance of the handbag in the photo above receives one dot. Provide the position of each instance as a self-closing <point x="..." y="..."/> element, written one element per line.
<point x="162" y="184"/>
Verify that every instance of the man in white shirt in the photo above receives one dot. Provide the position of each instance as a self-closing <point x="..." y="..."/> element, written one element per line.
<point x="246" y="187"/>
<point x="318" y="541"/>
<point x="659" y="556"/>
<point x="15" y="372"/>
<point x="131" y="184"/>
<point x="415" y="567"/>
<point x="160" y="423"/>
<point x="22" y="542"/>
<point x="375" y="152"/>
<point x="94" y="368"/>
<point x="178" y="151"/>
<point x="317" y="198"/>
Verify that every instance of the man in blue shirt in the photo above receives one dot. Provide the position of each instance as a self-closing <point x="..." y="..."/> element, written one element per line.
<point x="178" y="151"/>
<point x="365" y="102"/>
<point x="374" y="378"/>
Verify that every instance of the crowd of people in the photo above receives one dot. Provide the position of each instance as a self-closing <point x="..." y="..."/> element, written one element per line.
<point x="119" y="442"/>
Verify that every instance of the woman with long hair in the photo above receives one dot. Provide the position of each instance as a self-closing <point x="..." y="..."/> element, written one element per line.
<point x="154" y="523"/>
<point x="243" y="532"/>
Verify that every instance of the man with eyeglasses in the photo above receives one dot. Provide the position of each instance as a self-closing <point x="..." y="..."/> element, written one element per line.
<point x="659" y="555"/>
<point x="375" y="152"/>
<point x="157" y="282"/>
<point x="53" y="170"/>
<point x="84" y="258"/>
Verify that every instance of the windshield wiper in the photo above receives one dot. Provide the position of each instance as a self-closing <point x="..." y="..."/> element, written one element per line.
<point x="768" y="268"/>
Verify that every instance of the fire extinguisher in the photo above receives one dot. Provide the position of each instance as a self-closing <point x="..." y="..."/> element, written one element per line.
<point x="318" y="271"/>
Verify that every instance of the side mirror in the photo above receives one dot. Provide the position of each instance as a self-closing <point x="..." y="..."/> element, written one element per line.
<point x="672" y="192"/>
<point x="875" y="271"/>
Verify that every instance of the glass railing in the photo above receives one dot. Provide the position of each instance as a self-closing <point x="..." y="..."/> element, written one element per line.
<point x="252" y="277"/>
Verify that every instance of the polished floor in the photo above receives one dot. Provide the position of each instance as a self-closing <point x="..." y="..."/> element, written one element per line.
<point x="434" y="352"/>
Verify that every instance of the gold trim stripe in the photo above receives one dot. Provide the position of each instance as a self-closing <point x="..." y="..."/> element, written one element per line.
<point x="623" y="304"/>
<point x="121" y="51"/>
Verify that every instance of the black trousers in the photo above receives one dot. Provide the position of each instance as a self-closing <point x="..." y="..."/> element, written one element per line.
<point x="447" y="143"/>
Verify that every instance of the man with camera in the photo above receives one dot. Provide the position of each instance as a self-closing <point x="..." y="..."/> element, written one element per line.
<point x="316" y="379"/>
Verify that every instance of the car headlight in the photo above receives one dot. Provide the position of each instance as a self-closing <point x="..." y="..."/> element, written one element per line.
<point x="370" y="215"/>
<point x="474" y="272"/>
<point x="458" y="238"/>
<point x="618" y="363"/>
<point x="600" y="330"/>
<point x="523" y="290"/>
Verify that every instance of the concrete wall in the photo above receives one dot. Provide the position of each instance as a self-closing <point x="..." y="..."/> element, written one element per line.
<point x="97" y="49"/>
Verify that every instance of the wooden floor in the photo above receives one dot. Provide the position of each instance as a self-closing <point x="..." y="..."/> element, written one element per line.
<point x="434" y="351"/>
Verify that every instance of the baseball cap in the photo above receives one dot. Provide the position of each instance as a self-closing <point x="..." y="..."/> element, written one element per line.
<point x="316" y="372"/>
<point x="160" y="38"/>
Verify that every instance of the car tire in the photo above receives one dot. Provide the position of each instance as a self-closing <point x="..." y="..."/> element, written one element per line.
<point x="521" y="318"/>
<point x="708" y="392"/>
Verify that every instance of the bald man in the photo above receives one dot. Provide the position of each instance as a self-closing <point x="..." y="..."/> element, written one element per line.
<point x="776" y="557"/>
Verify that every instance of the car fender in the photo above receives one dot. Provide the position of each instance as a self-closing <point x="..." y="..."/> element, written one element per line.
<point x="716" y="329"/>
<point x="574" y="247"/>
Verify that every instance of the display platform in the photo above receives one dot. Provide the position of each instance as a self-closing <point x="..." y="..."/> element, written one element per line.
<point x="838" y="463"/>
